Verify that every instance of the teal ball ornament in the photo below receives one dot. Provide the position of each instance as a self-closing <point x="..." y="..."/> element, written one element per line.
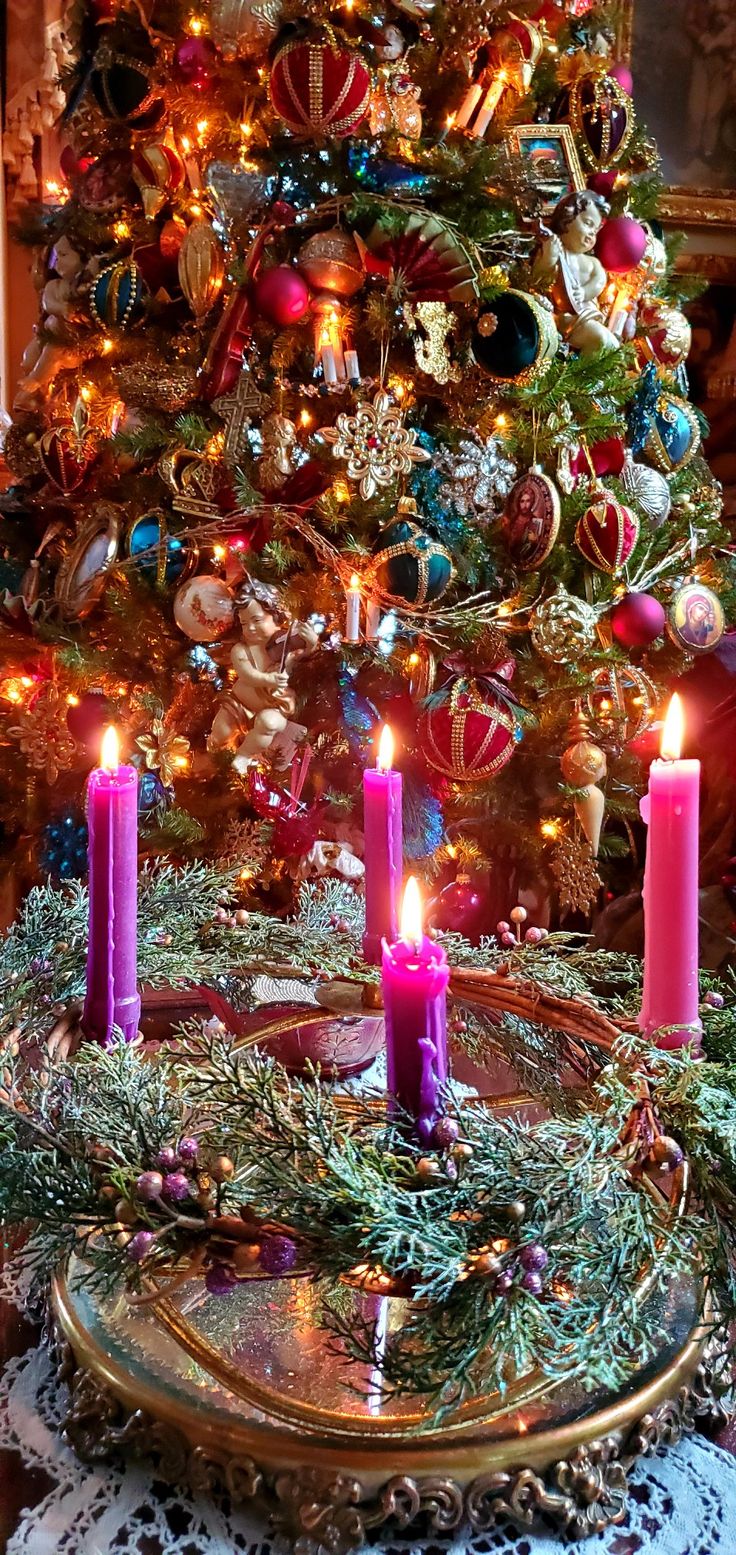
<point x="117" y="295"/>
<point x="160" y="558"/>
<point x="674" y="434"/>
<point x="409" y="563"/>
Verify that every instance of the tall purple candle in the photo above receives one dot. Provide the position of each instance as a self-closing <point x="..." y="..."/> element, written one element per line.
<point x="384" y="850"/>
<point x="415" y="978"/>
<point x="112" y="997"/>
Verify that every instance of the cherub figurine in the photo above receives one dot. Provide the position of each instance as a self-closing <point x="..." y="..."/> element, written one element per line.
<point x="257" y="708"/>
<point x="278" y="441"/>
<point x="566" y="267"/>
<point x="61" y="282"/>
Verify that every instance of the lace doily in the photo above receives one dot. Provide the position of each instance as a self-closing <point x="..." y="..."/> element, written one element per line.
<point x="681" y="1504"/>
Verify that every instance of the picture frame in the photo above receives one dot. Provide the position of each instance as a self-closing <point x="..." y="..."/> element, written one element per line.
<point x="551" y="154"/>
<point x="691" y="59"/>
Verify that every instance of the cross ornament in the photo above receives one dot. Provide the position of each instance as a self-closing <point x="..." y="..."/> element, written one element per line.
<point x="237" y="409"/>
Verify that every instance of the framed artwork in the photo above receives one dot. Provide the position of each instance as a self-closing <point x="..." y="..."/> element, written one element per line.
<point x="684" y="54"/>
<point x="548" y="151"/>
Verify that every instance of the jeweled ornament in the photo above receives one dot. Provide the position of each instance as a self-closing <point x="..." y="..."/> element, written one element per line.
<point x="122" y="75"/>
<point x="622" y="702"/>
<point x="662" y="425"/>
<point x="159" y="557"/>
<point x="563" y="627"/>
<point x="376" y="444"/>
<point x="515" y="339"/>
<point x="469" y="732"/>
<point x="203" y="608"/>
<point x="531" y="520"/>
<point x="648" y="489"/>
<point x="409" y="563"/>
<point x="602" y="116"/>
<point x="320" y="88"/>
<point x="158" y="170"/>
<point x="331" y="262"/>
<point x="201" y="268"/>
<point x="637" y="620"/>
<point x="116" y="296"/>
<point x="67" y="456"/>
<point x="243" y="29"/>
<point x="607" y="534"/>
<point x="695" y="620"/>
<point x="663" y="332"/>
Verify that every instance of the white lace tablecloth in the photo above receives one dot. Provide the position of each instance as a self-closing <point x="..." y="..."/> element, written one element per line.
<point x="681" y="1504"/>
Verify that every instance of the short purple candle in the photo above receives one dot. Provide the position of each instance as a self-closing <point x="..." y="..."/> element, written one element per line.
<point x="384" y="850"/>
<point x="415" y="978"/>
<point x="112" y="997"/>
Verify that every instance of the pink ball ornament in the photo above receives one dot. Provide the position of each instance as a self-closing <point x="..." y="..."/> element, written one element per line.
<point x="457" y="908"/>
<point x="636" y="620"/>
<point x="621" y="243"/>
<point x="622" y="74"/>
<point x="281" y="296"/>
<point x="194" y="62"/>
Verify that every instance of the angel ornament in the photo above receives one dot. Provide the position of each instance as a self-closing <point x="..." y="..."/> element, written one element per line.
<point x="255" y="714"/>
<point x="567" y="269"/>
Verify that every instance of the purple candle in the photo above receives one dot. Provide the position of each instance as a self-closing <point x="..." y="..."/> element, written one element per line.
<point x="671" y="810"/>
<point x="383" y="850"/>
<point x="112" y="997"/>
<point x="415" y="978"/>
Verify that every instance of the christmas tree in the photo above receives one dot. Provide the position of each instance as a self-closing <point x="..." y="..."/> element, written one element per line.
<point x="357" y="396"/>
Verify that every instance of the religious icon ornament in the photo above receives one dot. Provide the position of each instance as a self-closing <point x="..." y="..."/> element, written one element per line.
<point x="531" y="521"/>
<point x="375" y="443"/>
<point x="695" y="621"/>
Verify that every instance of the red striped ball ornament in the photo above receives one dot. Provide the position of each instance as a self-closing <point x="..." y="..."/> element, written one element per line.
<point x="471" y="735"/>
<point x="607" y="533"/>
<point x="320" y="88"/>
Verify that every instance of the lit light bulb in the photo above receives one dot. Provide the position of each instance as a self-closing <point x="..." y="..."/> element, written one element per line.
<point x="195" y="26"/>
<point x="110" y="753"/>
<point x="385" y="757"/>
<point x="673" y="731"/>
<point x="501" y="421"/>
<point x="412" y="929"/>
<point x="121" y="230"/>
<point x="202" y="126"/>
<point x="72" y="700"/>
<point x="219" y="552"/>
<point x="107" y="345"/>
<point x="85" y="393"/>
<point x="305" y="418"/>
<point x="549" y="829"/>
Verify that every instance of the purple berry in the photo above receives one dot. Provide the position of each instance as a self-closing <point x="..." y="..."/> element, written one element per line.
<point x="278" y="1254"/>
<point x="533" y="1283"/>
<point x="508" y="938"/>
<point x="139" y="1245"/>
<point x="533" y="936"/>
<point x="503" y="927"/>
<point x="445" y="1132"/>
<point x="176" y="1186"/>
<point x="166" y="1158"/>
<point x="715" y="1000"/>
<point x="219" y="1280"/>
<point x="534" y="1257"/>
<point x="188" y="1151"/>
<point x="149" y="1186"/>
<point x="503" y="1284"/>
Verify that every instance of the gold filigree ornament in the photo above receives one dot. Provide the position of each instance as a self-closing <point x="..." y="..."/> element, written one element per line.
<point x="576" y="876"/>
<point x="431" y="351"/>
<point x="375" y="443"/>
<point x="164" y="751"/>
<point x="42" y="733"/>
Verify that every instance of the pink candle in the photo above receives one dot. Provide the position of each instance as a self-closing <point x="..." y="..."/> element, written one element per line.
<point x="669" y="1010"/>
<point x="383" y="850"/>
<point x="112" y="997"/>
<point x="415" y="978"/>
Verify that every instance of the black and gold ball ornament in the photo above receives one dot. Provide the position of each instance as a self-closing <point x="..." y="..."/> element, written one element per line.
<point x="116" y="295"/>
<point x="515" y="338"/>
<point x="408" y="562"/>
<point x="121" y="81"/>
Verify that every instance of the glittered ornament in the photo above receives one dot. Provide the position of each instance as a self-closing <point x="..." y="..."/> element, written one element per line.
<point x="201" y="268"/>
<point x="432" y="324"/>
<point x="203" y="608"/>
<point x="575" y="874"/>
<point x="695" y="620"/>
<point x="409" y="563"/>
<point x="662" y="425"/>
<point x="67" y="454"/>
<point x="563" y="627"/>
<point x="637" y="620"/>
<point x="159" y="557"/>
<point x="648" y="489"/>
<point x="195" y="62"/>
<point x="477" y="476"/>
<point x="469" y="731"/>
<point x="622" y="702"/>
<point x="158" y="170"/>
<point x="122" y="76"/>
<point x="603" y="119"/>
<point x="376" y="444"/>
<point x="150" y="384"/>
<point x="515" y="339"/>
<point x="117" y="294"/>
<point x="663" y="332"/>
<point x="238" y="192"/>
<point x="243" y="29"/>
<point x="164" y="751"/>
<point x="621" y="244"/>
<point x="320" y="88"/>
<point x="331" y="262"/>
<point x="42" y="733"/>
<point x="607" y="533"/>
<point x="281" y="295"/>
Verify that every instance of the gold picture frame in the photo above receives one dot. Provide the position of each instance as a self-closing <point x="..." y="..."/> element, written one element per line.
<point x="551" y="151"/>
<point x="686" y="204"/>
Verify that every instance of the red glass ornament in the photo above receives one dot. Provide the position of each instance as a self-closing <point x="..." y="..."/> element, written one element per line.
<point x="457" y="907"/>
<point x="621" y="243"/>
<point x="195" y="60"/>
<point x="602" y="183"/>
<point x="87" y="718"/>
<point x="637" y="619"/>
<point x="469" y="735"/>
<point x="281" y="295"/>
<point x="321" y="88"/>
<point x="67" y="457"/>
<point x="607" y="533"/>
<point x="622" y="74"/>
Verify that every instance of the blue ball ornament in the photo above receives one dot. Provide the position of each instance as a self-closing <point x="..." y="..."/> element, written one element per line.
<point x="410" y="563"/>
<point x="662" y="425"/>
<point x="154" y="798"/>
<point x="64" y="847"/>
<point x="159" y="557"/>
<point x="117" y="294"/>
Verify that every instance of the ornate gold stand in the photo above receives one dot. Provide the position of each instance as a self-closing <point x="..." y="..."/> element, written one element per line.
<point x="245" y="1396"/>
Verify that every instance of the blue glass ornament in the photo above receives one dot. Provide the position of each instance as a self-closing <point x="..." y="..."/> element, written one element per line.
<point x="359" y="716"/>
<point x="379" y="173"/>
<point x="116" y="295"/>
<point x="408" y="562"/>
<point x="662" y="426"/>
<point x="203" y="667"/>
<point x="64" y="847"/>
<point x="423" y="821"/>
<point x="154" y="798"/>
<point x="159" y="557"/>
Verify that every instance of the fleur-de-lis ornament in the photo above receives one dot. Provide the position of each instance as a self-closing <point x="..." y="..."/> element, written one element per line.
<point x="431" y="350"/>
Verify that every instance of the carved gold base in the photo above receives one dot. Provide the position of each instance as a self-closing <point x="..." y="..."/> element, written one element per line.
<point x="244" y="1401"/>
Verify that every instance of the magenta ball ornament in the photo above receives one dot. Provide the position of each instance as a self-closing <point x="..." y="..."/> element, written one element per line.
<point x="636" y="620"/>
<point x="194" y="62"/>
<point x="457" y="908"/>
<point x="86" y="718"/>
<point x="622" y="74"/>
<point x="281" y="296"/>
<point x="621" y="243"/>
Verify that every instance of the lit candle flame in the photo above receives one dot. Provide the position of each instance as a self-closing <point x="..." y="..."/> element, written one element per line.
<point x="110" y="754"/>
<point x="355" y="584"/>
<point x="385" y="759"/>
<point x="412" y="928"/>
<point x="673" y="731"/>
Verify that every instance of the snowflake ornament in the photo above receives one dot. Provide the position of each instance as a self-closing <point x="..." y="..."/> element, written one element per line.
<point x="478" y="477"/>
<point x="376" y="444"/>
